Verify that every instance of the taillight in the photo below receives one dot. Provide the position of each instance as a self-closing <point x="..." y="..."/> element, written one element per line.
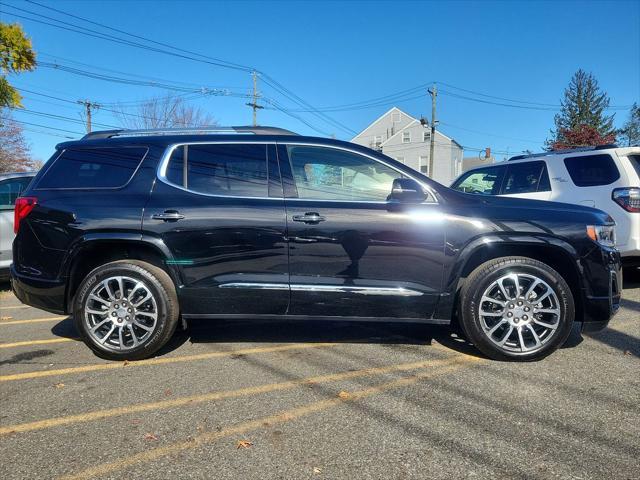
<point x="628" y="198"/>
<point x="22" y="208"/>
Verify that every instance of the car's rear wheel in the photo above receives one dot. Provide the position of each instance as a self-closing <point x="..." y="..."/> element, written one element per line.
<point x="516" y="308"/>
<point x="126" y="310"/>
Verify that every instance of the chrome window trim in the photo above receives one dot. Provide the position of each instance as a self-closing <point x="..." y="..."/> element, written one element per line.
<point x="299" y="287"/>
<point x="166" y="156"/>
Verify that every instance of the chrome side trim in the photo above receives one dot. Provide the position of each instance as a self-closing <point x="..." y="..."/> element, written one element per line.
<point x="394" y="291"/>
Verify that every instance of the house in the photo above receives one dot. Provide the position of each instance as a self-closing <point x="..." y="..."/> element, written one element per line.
<point x="404" y="138"/>
<point x="478" y="161"/>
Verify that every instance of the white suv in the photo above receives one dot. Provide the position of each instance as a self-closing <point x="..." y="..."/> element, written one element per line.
<point x="605" y="177"/>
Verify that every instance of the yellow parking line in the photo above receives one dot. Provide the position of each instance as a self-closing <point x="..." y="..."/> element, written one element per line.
<point x="15" y="307"/>
<point x="37" y="342"/>
<point x="220" y="395"/>
<point x="160" y="361"/>
<point x="35" y="320"/>
<point x="282" y="417"/>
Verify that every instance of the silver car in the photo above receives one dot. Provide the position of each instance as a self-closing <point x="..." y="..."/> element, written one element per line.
<point x="11" y="185"/>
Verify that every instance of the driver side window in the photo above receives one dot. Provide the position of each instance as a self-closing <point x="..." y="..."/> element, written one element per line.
<point x="486" y="181"/>
<point x="323" y="173"/>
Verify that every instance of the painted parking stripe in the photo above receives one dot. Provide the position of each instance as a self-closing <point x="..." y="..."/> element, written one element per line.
<point x="33" y="320"/>
<point x="37" y="342"/>
<point x="160" y="361"/>
<point x="221" y="395"/>
<point x="15" y="307"/>
<point x="280" y="418"/>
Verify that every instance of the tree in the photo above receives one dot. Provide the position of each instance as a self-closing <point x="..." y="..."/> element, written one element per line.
<point x="582" y="114"/>
<point x="16" y="55"/>
<point x="14" y="150"/>
<point x="630" y="131"/>
<point x="170" y="111"/>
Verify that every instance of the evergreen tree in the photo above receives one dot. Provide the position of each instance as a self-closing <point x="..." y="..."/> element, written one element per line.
<point x="630" y="132"/>
<point x="583" y="109"/>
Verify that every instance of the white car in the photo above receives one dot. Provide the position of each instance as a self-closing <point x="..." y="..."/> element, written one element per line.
<point x="11" y="185"/>
<point x="605" y="177"/>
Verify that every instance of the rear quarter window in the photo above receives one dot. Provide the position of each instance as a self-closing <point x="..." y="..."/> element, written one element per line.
<point x="592" y="170"/>
<point x="105" y="167"/>
<point x="635" y="163"/>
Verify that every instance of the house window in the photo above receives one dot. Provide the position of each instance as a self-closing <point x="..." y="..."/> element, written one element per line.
<point x="396" y="117"/>
<point x="406" y="137"/>
<point x="426" y="136"/>
<point x="377" y="141"/>
<point x="424" y="165"/>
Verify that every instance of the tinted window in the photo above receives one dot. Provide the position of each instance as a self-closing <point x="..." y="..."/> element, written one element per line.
<point x="109" y="167"/>
<point x="635" y="162"/>
<point x="485" y="181"/>
<point x="526" y="178"/>
<point x="10" y="190"/>
<point x="592" y="170"/>
<point x="329" y="174"/>
<point x="220" y="169"/>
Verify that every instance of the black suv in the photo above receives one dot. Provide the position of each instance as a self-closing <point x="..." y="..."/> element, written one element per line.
<point x="129" y="230"/>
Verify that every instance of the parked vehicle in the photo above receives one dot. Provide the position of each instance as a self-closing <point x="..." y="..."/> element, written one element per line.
<point x="603" y="177"/>
<point x="128" y="230"/>
<point x="11" y="185"/>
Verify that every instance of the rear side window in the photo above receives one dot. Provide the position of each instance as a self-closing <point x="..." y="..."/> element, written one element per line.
<point x="220" y="169"/>
<point x="528" y="177"/>
<point x="485" y="181"/>
<point x="10" y="190"/>
<point x="108" y="167"/>
<point x="592" y="170"/>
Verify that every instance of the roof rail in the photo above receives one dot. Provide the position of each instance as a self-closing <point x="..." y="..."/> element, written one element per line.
<point x="570" y="150"/>
<point x="188" y="131"/>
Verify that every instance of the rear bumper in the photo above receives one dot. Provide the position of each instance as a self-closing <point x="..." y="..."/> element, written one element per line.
<point x="43" y="294"/>
<point x="599" y="310"/>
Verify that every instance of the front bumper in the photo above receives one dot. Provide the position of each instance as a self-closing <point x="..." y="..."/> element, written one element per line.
<point x="598" y="310"/>
<point x="46" y="295"/>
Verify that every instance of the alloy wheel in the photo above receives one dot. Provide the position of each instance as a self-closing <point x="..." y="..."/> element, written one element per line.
<point x="519" y="313"/>
<point x="120" y="313"/>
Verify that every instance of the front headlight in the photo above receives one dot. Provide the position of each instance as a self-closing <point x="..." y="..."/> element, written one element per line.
<point x="605" y="235"/>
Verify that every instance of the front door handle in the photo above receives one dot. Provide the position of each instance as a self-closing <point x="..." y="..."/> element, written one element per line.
<point x="168" y="216"/>
<point x="309" y="217"/>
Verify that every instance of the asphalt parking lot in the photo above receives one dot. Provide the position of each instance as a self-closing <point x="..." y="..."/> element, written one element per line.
<point x="248" y="399"/>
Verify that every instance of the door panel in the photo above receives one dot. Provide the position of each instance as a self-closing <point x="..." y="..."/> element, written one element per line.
<point x="231" y="250"/>
<point x="367" y="258"/>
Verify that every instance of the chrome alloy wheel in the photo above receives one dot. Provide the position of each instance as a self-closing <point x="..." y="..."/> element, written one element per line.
<point x="519" y="313"/>
<point x="120" y="313"/>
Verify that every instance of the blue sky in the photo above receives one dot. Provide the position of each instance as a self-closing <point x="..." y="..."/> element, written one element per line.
<point x="337" y="53"/>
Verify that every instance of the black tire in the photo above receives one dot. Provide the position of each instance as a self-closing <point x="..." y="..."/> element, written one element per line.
<point x="159" y="285"/>
<point x="482" y="279"/>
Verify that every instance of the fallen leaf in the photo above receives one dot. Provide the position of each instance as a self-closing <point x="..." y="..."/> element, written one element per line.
<point x="59" y="385"/>
<point x="627" y="352"/>
<point x="243" y="444"/>
<point x="344" y="395"/>
<point x="5" y="318"/>
<point x="125" y="363"/>
<point x="167" y="392"/>
<point x="316" y="470"/>
<point x="150" y="437"/>
<point x="135" y="421"/>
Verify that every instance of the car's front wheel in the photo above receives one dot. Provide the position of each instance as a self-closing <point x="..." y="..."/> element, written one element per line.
<point x="516" y="308"/>
<point x="126" y="310"/>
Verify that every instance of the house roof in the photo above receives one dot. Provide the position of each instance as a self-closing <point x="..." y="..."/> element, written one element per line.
<point x="380" y="118"/>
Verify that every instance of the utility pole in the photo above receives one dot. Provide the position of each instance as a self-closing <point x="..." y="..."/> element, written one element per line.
<point x="434" y="93"/>
<point x="254" y="104"/>
<point x="88" y="105"/>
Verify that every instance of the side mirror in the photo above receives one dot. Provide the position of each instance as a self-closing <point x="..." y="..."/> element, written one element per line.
<point x="406" y="190"/>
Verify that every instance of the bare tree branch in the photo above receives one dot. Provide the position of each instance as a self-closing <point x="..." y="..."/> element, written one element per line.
<point x="14" y="150"/>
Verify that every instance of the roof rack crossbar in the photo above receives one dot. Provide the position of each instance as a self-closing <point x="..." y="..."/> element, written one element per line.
<point x="570" y="150"/>
<point x="188" y="131"/>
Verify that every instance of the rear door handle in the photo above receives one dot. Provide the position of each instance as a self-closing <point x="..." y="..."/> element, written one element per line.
<point x="168" y="216"/>
<point x="309" y="217"/>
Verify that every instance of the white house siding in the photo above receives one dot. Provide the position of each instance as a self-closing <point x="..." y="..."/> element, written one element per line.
<point x="415" y="154"/>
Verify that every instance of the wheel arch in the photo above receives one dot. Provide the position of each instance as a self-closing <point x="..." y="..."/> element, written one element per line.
<point x="552" y="251"/>
<point x="95" y="250"/>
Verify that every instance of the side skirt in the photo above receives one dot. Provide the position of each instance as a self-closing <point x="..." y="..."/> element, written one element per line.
<point x="430" y="321"/>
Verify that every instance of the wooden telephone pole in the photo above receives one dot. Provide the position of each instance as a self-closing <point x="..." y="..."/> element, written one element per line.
<point x="254" y="104"/>
<point x="88" y="105"/>
<point x="434" y="93"/>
